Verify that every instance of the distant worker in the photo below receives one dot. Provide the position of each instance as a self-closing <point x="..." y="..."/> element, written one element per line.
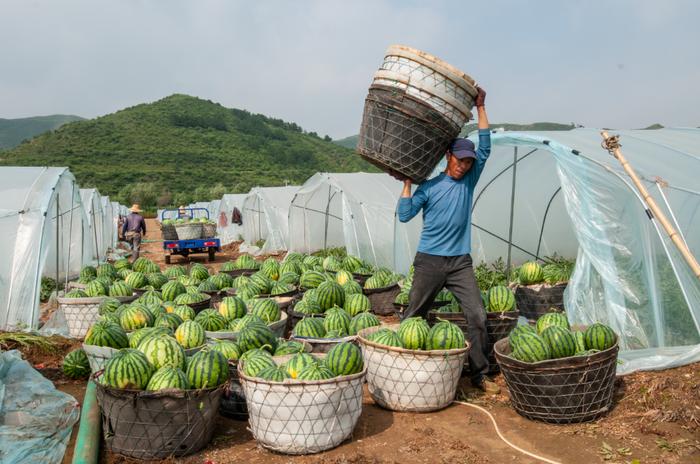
<point x="182" y="213"/>
<point x="443" y="258"/>
<point x="133" y="229"/>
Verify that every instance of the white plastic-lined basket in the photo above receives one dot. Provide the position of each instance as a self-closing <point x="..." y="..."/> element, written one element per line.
<point x="80" y="314"/>
<point x="302" y="417"/>
<point x="411" y="380"/>
<point x="276" y="327"/>
<point x="98" y="356"/>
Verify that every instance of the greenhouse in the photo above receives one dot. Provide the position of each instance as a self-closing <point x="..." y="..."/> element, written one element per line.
<point x="41" y="220"/>
<point x="265" y="217"/>
<point x="229" y="231"/>
<point x="95" y="224"/>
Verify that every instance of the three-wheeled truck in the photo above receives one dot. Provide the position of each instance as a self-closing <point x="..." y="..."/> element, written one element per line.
<point x="208" y="245"/>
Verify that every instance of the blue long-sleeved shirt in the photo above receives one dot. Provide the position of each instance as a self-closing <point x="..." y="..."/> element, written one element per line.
<point x="447" y="207"/>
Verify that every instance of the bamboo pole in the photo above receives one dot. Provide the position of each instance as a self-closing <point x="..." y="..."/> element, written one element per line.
<point x="613" y="146"/>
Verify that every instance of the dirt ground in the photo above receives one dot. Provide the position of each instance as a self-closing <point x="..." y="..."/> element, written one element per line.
<point x="655" y="419"/>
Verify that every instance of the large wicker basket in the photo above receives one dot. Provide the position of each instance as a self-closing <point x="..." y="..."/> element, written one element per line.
<point x="168" y="232"/>
<point x="561" y="391"/>
<point x="189" y="231"/>
<point x="535" y="300"/>
<point x="208" y="230"/>
<point x="381" y="300"/>
<point x="81" y="313"/>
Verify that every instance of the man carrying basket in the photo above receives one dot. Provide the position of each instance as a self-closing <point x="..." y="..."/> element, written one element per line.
<point x="443" y="258"/>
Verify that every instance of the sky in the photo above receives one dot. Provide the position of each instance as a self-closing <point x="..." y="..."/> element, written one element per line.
<point x="599" y="63"/>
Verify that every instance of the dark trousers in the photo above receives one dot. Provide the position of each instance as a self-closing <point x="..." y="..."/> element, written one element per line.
<point x="432" y="273"/>
<point x="134" y="238"/>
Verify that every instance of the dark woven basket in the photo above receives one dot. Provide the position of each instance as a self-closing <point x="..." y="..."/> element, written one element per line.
<point x="156" y="425"/>
<point x="208" y="230"/>
<point x="240" y="272"/>
<point x="215" y="298"/>
<point x="399" y="309"/>
<point x="381" y="300"/>
<point x="168" y="232"/>
<point x="233" y="403"/>
<point x="560" y="391"/>
<point x="202" y="305"/>
<point x="400" y="133"/>
<point x="361" y="278"/>
<point x="535" y="300"/>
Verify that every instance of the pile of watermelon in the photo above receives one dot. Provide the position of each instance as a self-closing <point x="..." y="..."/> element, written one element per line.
<point x="414" y="333"/>
<point x="233" y="314"/>
<point x="187" y="220"/>
<point x="557" y="271"/>
<point x="335" y="323"/>
<point x="343" y="359"/>
<point x="119" y="279"/>
<point x="552" y="338"/>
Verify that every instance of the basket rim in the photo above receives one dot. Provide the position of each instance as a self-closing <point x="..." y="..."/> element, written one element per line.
<point x="552" y="364"/>
<point x="503" y="315"/>
<point x="84" y="345"/>
<point x="543" y="284"/>
<point x="324" y="341"/>
<point x="82" y="301"/>
<point x="450" y="71"/>
<point x="422" y="353"/>
<point x="167" y="393"/>
<point x="295" y="384"/>
<point x="372" y="291"/>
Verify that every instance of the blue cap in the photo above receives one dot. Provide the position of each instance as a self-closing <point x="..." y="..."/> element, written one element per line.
<point x="463" y="148"/>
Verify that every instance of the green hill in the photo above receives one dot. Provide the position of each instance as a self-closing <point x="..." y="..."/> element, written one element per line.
<point x="181" y="149"/>
<point x="14" y="131"/>
<point x="348" y="142"/>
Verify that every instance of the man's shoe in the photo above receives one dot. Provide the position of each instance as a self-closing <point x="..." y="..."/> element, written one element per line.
<point x="487" y="386"/>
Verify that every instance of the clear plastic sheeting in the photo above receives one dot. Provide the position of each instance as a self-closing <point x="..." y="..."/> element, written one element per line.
<point x="36" y="420"/>
<point x="94" y="231"/>
<point x="572" y="194"/>
<point x="42" y="223"/>
<point x="355" y="211"/>
<point x="228" y="230"/>
<point x="265" y="211"/>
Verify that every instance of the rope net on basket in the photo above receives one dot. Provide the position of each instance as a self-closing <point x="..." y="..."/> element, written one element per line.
<point x="80" y="313"/>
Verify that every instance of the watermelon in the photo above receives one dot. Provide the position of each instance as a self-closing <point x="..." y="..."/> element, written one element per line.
<point x="580" y="342"/>
<point x="134" y="317"/>
<point x="290" y="267"/>
<point x="172" y="289"/>
<point x="140" y="264"/>
<point x="500" y="299"/>
<point x="228" y="266"/>
<point x="137" y="336"/>
<point x="262" y="282"/>
<point x="156" y="280"/>
<point x="108" y="306"/>
<point x="311" y="279"/>
<point x="266" y="309"/>
<point x="530" y="273"/>
<point x="127" y="369"/>
<point x="531" y="348"/>
<point x="413" y="333"/>
<point x="207" y="369"/>
<point x="280" y="289"/>
<point x="255" y="352"/>
<point x="173" y="272"/>
<point x="122" y="263"/>
<point x="191" y="298"/>
<point x="76" y="364"/>
<point x="351" y="263"/>
<point x="190" y="335"/>
<point x="257" y="336"/>
<point x="245" y="262"/>
<point x="310" y="327"/>
<point x="297" y="363"/>
<point x="334" y="334"/>
<point x="342" y="277"/>
<point x="163" y="350"/>
<point x="95" y="289"/>
<point x="288" y="347"/>
<point x="232" y="307"/>
<point x="122" y="273"/>
<point x="108" y="334"/>
<point x="185" y="312"/>
<point x="150" y="297"/>
<point x="386" y="337"/>
<point x="88" y="273"/>
<point x="517" y="331"/>
<point x="344" y="359"/>
<point x="253" y="365"/>
<point x="599" y="337"/>
<point x="168" y="378"/>
<point x="76" y="293"/>
<point x="106" y="270"/>
<point x="445" y="336"/>
<point x="170" y="320"/>
<point x="228" y="348"/>
<point x="199" y="272"/>
<point x="221" y="280"/>
<point x="561" y="341"/>
<point x="362" y="321"/>
<point x="336" y="319"/>
<point x="402" y="297"/>
<point x="271" y="268"/>
<point x="289" y="278"/>
<point x="351" y="288"/>
<point x="120" y="288"/>
<point x="237" y="325"/>
<point x="375" y="282"/>
<point x="550" y="319"/>
<point x="329" y="294"/>
<point x="211" y="320"/>
<point x="273" y="374"/>
<point x="136" y="280"/>
<point x="315" y="371"/>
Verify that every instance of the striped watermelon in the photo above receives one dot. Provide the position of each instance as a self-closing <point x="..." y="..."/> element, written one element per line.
<point x="255" y="352"/>
<point x="185" y="312"/>
<point x="168" y="378"/>
<point x="76" y="364"/>
<point x="310" y="327"/>
<point x="95" y="289"/>
<point x="122" y="273"/>
<point x="187" y="281"/>
<point x="207" y="286"/>
<point x="136" y="280"/>
<point x="356" y="303"/>
<point x="343" y="277"/>
<point x="386" y="337"/>
<point x="190" y="335"/>
<point x="599" y="337"/>
<point x="137" y="336"/>
<point x="362" y="321"/>
<point x="580" y="342"/>
<point x="344" y="359"/>
<point x="297" y="363"/>
<point x="156" y="280"/>
<point x="329" y="294"/>
<point x="172" y="289"/>
<point x="290" y="266"/>
<point x="336" y="319"/>
<point x="122" y="263"/>
<point x="88" y="273"/>
<point x="517" y="331"/>
<point x="150" y="297"/>
<point x="207" y="369"/>
<point x="273" y="374"/>
<point x="120" y="288"/>
<point x="253" y="365"/>
<point x="530" y="273"/>
<point x="351" y="263"/>
<point x="127" y="369"/>
<point x="262" y="282"/>
<point x="211" y="320"/>
<point x="531" y="348"/>
<point x="150" y="268"/>
<point x="163" y="350"/>
<point x="500" y="299"/>
<point x="289" y="278"/>
<point x="311" y="279"/>
<point x="173" y="272"/>
<point x="266" y="309"/>
<point x="257" y="336"/>
<point x="374" y="282"/>
<point x="169" y="320"/>
<point x="232" y="307"/>
<point x="288" y="347"/>
<point x="413" y="333"/>
<point x="246" y="262"/>
<point x="199" y="272"/>
<point x="140" y="264"/>
<point x="352" y="288"/>
<point x="402" y="297"/>
<point x="307" y="307"/>
<point x="237" y="325"/>
<point x="106" y="270"/>
<point x="280" y="288"/>
<point x="445" y="336"/>
<point x="331" y="264"/>
<point x="228" y="348"/>
<point x="134" y="317"/>
<point x="221" y="280"/>
<point x="561" y="341"/>
<point x="550" y="319"/>
<point x="315" y="371"/>
<point x="331" y="334"/>
<point x="228" y="266"/>
<point x="192" y="289"/>
<point x="271" y="268"/>
<point x="190" y="298"/>
<point x="75" y="293"/>
<point x="108" y="306"/>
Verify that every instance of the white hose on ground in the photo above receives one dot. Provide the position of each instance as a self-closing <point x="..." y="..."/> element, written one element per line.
<point x="500" y="435"/>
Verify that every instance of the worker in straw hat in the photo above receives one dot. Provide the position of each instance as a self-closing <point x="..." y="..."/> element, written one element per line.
<point x="443" y="258"/>
<point x="133" y="229"/>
